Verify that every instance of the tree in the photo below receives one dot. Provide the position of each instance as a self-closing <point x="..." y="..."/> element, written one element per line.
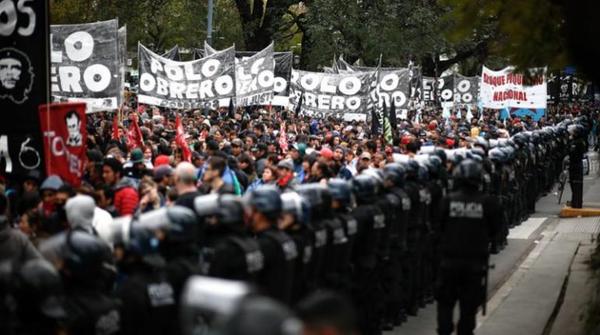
<point x="535" y="33"/>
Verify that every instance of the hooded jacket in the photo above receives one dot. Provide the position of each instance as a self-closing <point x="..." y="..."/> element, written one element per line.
<point x="126" y="197"/>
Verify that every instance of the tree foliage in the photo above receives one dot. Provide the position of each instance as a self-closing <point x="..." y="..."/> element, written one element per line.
<point x="553" y="33"/>
<point x="436" y="34"/>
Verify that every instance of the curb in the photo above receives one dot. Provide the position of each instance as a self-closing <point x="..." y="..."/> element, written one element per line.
<point x="569" y="212"/>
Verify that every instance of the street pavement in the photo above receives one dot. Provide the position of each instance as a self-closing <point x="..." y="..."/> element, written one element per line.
<point x="529" y="282"/>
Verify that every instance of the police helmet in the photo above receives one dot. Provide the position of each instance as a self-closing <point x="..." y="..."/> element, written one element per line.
<point x="266" y="200"/>
<point x="441" y="153"/>
<point x="468" y="173"/>
<point x="340" y="190"/>
<point x="377" y="175"/>
<point x="364" y="187"/>
<point x="412" y="170"/>
<point x="317" y="196"/>
<point x="496" y="155"/>
<point x="297" y="205"/>
<point x="395" y="173"/>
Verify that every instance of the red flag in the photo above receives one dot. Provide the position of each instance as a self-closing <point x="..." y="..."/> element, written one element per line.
<point x="283" y="143"/>
<point x="180" y="139"/>
<point x="134" y="134"/>
<point x="64" y="130"/>
<point x="115" y="127"/>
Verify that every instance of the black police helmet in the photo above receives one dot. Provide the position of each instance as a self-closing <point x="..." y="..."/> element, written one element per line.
<point x="441" y="153"/>
<point x="364" y="188"/>
<point x="340" y="190"/>
<point x="267" y="200"/>
<point x="318" y="197"/>
<point x="468" y="173"/>
<point x="395" y="173"/>
<point x="295" y="204"/>
<point x="412" y="170"/>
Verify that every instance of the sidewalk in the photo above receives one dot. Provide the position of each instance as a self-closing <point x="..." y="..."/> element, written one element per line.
<point x="540" y="282"/>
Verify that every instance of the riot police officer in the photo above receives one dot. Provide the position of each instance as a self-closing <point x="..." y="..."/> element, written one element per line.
<point x="341" y="207"/>
<point x="577" y="150"/>
<point x="469" y="220"/>
<point x="319" y="201"/>
<point x="394" y="179"/>
<point x="151" y="288"/>
<point x="295" y="222"/>
<point x="228" y="252"/>
<point x="86" y="266"/>
<point x="278" y="248"/>
<point x="371" y="222"/>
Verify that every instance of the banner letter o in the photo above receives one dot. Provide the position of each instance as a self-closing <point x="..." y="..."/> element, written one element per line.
<point x="79" y="46"/>
<point x="147" y="82"/>
<point x="97" y="77"/>
<point x="266" y="78"/>
<point x="279" y="85"/>
<point x="309" y="82"/>
<point x="210" y="67"/>
<point x="389" y="82"/>
<point x="353" y="103"/>
<point x="349" y="85"/>
<point x="463" y="86"/>
<point x="224" y="85"/>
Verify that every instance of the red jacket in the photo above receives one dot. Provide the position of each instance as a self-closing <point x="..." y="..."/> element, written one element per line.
<point x="126" y="197"/>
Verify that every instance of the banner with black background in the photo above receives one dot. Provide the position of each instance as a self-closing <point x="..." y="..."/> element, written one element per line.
<point x="86" y="64"/>
<point x="24" y="68"/>
<point x="200" y="83"/>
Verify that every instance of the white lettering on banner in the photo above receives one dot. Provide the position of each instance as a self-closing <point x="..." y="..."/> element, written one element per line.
<point x="279" y="85"/>
<point x="10" y="12"/>
<point x="57" y="148"/>
<point x="78" y="47"/>
<point x="5" y="154"/>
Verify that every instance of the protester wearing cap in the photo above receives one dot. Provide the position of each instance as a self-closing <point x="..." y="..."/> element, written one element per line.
<point x="163" y="177"/>
<point x="297" y="153"/>
<point x="161" y="160"/>
<point x="237" y="147"/>
<point x="285" y="172"/>
<point x="136" y="167"/>
<point x="48" y="189"/>
<point x="364" y="161"/>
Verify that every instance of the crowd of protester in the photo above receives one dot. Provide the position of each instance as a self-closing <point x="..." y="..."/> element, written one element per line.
<point x="231" y="152"/>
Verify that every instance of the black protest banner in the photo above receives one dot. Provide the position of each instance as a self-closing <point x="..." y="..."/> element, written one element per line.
<point x="283" y="72"/>
<point x="553" y="88"/>
<point x="85" y="63"/>
<point x="340" y="95"/>
<point x="428" y="90"/>
<point x="394" y="85"/>
<point x="466" y="89"/>
<point x="24" y="69"/>
<point x="445" y="89"/>
<point x="255" y="78"/>
<point x="173" y="54"/>
<point x="195" y="84"/>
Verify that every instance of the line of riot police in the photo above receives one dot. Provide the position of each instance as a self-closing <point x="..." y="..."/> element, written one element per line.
<point x="375" y="239"/>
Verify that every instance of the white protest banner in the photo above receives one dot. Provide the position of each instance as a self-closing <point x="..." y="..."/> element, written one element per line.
<point x="504" y="88"/>
<point x="85" y="64"/>
<point x="194" y="84"/>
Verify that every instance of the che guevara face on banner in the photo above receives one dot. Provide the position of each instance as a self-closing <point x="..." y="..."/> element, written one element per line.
<point x="74" y="129"/>
<point x="16" y="75"/>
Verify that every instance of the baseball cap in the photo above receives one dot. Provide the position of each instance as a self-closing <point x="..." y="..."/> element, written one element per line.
<point x="286" y="164"/>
